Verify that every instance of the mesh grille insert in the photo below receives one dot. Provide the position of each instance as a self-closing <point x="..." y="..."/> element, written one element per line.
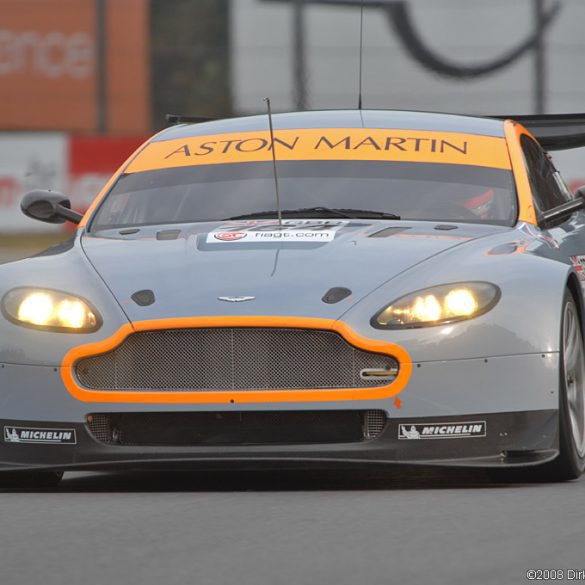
<point x="223" y="359"/>
<point x="236" y="428"/>
<point x="374" y="423"/>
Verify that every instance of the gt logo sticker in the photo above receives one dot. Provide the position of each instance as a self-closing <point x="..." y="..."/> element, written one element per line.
<point x="459" y="430"/>
<point x="43" y="436"/>
<point x="229" y="236"/>
<point x="291" y="230"/>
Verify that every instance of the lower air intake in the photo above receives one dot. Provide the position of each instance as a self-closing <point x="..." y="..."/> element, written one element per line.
<point x="236" y="428"/>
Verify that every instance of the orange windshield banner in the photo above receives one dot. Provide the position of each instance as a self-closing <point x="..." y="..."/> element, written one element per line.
<point x="326" y="144"/>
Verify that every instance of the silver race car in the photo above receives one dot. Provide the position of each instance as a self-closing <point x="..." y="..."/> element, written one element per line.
<point x="355" y="288"/>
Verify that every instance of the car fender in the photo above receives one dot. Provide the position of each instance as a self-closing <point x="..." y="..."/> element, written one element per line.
<point x="63" y="268"/>
<point x="526" y="319"/>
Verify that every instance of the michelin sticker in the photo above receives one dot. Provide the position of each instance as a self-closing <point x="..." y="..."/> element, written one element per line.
<point x="459" y="430"/>
<point x="43" y="436"/>
<point x="291" y="230"/>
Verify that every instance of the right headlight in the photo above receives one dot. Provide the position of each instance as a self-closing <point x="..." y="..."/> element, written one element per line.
<point x="438" y="305"/>
<point x="50" y="310"/>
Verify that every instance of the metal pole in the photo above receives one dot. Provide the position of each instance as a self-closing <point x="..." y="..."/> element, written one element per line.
<point x="539" y="59"/>
<point x="299" y="65"/>
<point x="101" y="66"/>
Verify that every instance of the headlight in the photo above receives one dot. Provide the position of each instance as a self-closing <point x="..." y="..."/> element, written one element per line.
<point x="438" y="305"/>
<point x="50" y="310"/>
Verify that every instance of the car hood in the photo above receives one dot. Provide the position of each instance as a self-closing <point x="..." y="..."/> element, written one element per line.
<point x="188" y="269"/>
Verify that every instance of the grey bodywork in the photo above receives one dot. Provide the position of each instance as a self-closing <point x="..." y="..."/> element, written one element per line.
<point x="519" y="337"/>
<point x="506" y="360"/>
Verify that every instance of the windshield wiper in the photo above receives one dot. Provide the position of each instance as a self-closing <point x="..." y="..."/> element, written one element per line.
<point x="368" y="214"/>
<point x="323" y="212"/>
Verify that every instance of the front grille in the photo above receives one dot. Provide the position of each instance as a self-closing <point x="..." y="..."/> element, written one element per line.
<point x="245" y="358"/>
<point x="236" y="428"/>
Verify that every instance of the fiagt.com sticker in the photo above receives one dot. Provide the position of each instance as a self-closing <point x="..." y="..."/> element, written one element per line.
<point x="291" y="230"/>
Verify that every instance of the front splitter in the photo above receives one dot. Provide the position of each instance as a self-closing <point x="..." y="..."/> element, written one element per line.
<point x="512" y="439"/>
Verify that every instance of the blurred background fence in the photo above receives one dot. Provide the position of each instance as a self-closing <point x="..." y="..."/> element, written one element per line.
<point x="84" y="82"/>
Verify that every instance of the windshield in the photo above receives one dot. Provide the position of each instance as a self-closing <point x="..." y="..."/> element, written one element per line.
<point x="415" y="191"/>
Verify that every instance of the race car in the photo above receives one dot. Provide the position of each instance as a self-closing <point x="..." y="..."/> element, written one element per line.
<point x="355" y="288"/>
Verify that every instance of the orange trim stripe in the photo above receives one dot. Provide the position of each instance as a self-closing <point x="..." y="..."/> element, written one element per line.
<point x="526" y="211"/>
<point x="255" y="396"/>
<point x="326" y="144"/>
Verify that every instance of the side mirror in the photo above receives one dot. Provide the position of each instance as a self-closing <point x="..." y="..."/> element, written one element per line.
<point x="49" y="206"/>
<point x="563" y="211"/>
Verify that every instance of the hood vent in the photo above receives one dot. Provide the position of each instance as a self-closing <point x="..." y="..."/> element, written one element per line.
<point x="336" y="294"/>
<point x="389" y="231"/>
<point x="143" y="298"/>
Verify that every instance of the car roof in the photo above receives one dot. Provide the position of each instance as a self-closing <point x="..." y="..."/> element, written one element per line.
<point x="395" y="119"/>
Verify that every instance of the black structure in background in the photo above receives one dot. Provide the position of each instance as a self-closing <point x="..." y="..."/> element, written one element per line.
<point x="190" y="58"/>
<point x="102" y="66"/>
<point x="402" y="24"/>
<point x="541" y="22"/>
<point x="299" y="52"/>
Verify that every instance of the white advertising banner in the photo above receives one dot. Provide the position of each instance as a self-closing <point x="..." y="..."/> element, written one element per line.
<point x="29" y="161"/>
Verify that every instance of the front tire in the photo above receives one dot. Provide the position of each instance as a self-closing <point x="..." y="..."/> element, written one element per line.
<point x="571" y="460"/>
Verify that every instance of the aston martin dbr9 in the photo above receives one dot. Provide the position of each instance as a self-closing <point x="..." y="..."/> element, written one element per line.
<point x="359" y="287"/>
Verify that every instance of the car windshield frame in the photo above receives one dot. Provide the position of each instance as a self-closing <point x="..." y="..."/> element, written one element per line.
<point x="311" y="170"/>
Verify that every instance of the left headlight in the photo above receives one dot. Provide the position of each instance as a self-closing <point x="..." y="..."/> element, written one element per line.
<point x="438" y="305"/>
<point x="50" y="310"/>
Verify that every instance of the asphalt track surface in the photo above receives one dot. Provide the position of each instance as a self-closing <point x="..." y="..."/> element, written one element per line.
<point x="272" y="528"/>
<point x="293" y="528"/>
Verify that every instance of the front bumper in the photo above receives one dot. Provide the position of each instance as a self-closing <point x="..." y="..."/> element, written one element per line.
<point x="514" y="383"/>
<point x="498" y="440"/>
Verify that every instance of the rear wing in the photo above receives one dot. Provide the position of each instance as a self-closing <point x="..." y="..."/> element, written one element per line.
<point x="554" y="131"/>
